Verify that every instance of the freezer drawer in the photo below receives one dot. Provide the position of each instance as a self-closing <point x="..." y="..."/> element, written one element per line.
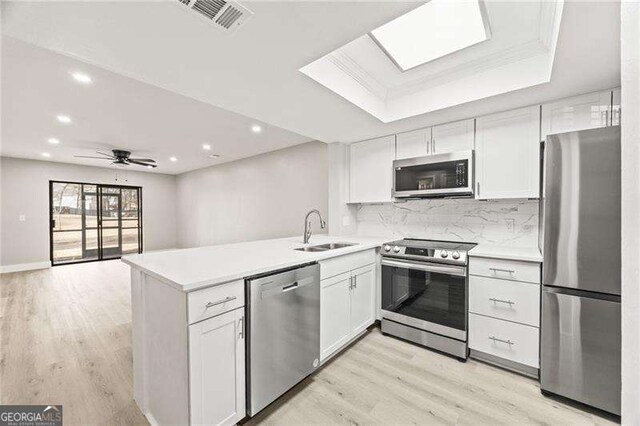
<point x="580" y="348"/>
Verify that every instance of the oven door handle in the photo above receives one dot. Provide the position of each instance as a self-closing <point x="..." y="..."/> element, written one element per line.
<point x="444" y="269"/>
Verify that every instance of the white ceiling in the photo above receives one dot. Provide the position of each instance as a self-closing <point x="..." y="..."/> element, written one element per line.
<point x="116" y="112"/>
<point x="254" y="72"/>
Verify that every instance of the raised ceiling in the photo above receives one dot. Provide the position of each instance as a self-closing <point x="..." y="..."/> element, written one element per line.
<point x="254" y="72"/>
<point x="116" y="112"/>
<point x="519" y="54"/>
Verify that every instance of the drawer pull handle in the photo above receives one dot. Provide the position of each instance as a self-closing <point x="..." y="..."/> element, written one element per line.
<point x="509" y="302"/>
<point x="220" y="302"/>
<point x="495" y="339"/>
<point x="509" y="271"/>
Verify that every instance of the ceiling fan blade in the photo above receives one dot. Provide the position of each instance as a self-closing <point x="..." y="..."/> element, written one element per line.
<point x="146" y="160"/>
<point x="89" y="156"/>
<point x="141" y="164"/>
<point x="104" y="153"/>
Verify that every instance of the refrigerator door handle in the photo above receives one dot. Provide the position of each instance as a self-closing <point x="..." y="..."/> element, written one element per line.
<point x="581" y="293"/>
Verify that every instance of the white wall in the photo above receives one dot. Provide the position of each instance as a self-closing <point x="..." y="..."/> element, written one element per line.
<point x="24" y="190"/>
<point x="261" y="197"/>
<point x="630" y="46"/>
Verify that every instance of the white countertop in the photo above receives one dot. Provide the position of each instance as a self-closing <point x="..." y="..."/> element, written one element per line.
<point x="194" y="268"/>
<point x="527" y="254"/>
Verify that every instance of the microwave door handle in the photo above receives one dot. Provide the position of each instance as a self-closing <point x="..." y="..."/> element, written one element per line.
<point x="444" y="269"/>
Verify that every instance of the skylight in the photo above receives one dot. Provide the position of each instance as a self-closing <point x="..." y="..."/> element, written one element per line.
<point x="431" y="31"/>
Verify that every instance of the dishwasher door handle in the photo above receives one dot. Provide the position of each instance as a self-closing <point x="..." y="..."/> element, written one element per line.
<point x="290" y="286"/>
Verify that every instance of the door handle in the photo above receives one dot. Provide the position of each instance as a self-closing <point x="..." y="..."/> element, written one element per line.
<point x="241" y="327"/>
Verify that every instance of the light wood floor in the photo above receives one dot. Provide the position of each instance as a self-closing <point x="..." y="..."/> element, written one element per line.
<point x="66" y="339"/>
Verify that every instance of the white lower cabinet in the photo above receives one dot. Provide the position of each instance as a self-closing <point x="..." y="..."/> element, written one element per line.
<point x="217" y="369"/>
<point x="347" y="308"/>
<point x="504" y="312"/>
<point x="504" y="339"/>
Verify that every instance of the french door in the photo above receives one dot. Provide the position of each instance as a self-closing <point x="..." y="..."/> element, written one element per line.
<point x="93" y="222"/>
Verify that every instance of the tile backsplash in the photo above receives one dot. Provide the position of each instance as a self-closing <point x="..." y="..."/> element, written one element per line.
<point x="508" y="222"/>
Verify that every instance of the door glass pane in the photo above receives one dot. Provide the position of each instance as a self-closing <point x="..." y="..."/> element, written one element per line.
<point x="130" y="240"/>
<point x="130" y="203"/>
<point x="430" y="296"/>
<point x="90" y="211"/>
<point x="446" y="175"/>
<point x="111" y="242"/>
<point x="67" y="246"/>
<point x="66" y="206"/>
<point x="129" y="223"/>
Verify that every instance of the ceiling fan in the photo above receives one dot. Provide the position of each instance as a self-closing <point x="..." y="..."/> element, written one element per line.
<point x="122" y="157"/>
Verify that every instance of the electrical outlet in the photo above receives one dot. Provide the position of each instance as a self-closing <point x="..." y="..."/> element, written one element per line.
<point x="22" y="218"/>
<point x="346" y="221"/>
<point x="511" y="225"/>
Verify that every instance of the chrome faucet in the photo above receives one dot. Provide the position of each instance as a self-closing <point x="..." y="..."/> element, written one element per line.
<point x="307" y="225"/>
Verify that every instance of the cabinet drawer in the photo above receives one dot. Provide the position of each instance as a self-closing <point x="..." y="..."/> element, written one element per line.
<point x="341" y="264"/>
<point x="212" y="301"/>
<point x="509" y="300"/>
<point x="504" y="339"/>
<point x="505" y="269"/>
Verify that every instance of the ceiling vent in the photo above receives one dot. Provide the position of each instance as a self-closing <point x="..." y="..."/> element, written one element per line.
<point x="227" y="16"/>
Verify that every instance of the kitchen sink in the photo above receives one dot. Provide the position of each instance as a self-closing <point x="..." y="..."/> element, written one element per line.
<point x="325" y="247"/>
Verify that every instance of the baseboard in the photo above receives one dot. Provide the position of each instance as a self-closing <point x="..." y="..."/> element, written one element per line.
<point x="24" y="267"/>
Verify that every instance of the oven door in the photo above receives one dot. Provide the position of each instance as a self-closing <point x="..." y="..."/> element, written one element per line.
<point x="429" y="296"/>
<point x="439" y="175"/>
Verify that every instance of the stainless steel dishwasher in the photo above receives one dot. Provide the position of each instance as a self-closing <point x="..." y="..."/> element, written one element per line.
<point x="283" y="345"/>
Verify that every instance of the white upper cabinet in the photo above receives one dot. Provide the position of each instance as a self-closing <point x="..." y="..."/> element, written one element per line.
<point x="508" y="154"/>
<point x="616" y="110"/>
<point x="582" y="112"/>
<point x="370" y="170"/>
<point x="413" y="144"/>
<point x="451" y="137"/>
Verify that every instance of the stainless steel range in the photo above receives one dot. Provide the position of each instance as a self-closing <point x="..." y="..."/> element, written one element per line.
<point x="424" y="293"/>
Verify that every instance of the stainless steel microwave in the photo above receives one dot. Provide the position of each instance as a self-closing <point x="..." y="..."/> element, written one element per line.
<point x="439" y="175"/>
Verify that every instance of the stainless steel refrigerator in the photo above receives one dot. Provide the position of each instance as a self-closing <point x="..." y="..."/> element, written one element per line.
<point x="581" y="331"/>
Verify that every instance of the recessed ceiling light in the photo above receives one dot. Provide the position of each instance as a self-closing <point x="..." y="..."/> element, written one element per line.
<point x="173" y="159"/>
<point x="81" y="78"/>
<point x="64" y="119"/>
<point x="206" y="147"/>
<point x="431" y="31"/>
<point x="53" y="141"/>
<point x="256" y="128"/>
<point x="46" y="154"/>
<point x="215" y="156"/>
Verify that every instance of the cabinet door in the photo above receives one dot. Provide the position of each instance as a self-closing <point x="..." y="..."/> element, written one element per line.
<point x="616" y="110"/>
<point x="362" y="299"/>
<point x="334" y="313"/>
<point x="583" y="112"/>
<point x="413" y="144"/>
<point x="217" y="369"/>
<point x="508" y="154"/>
<point x="370" y="170"/>
<point x="452" y="137"/>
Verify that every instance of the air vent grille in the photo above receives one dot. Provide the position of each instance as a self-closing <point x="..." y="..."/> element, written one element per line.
<point x="209" y="8"/>
<point x="226" y="15"/>
<point x="229" y="17"/>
